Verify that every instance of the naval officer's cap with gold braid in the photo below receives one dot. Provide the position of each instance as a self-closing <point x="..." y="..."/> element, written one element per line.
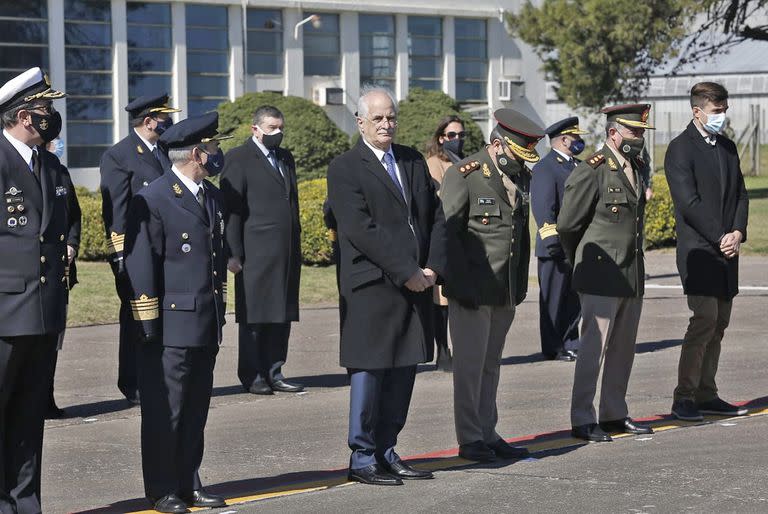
<point x="519" y="132"/>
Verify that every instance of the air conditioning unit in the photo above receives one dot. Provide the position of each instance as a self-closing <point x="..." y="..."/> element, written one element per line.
<point x="328" y="96"/>
<point x="510" y="89"/>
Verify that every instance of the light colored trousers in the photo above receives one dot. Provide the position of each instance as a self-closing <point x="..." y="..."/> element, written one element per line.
<point x="608" y="334"/>
<point x="700" y="353"/>
<point x="478" y="341"/>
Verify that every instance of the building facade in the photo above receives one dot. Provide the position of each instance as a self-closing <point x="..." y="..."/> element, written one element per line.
<point x="107" y="52"/>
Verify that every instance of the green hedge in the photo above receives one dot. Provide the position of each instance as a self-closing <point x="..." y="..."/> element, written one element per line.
<point x="310" y="134"/>
<point x="420" y="113"/>
<point x="660" y="215"/>
<point x="315" y="247"/>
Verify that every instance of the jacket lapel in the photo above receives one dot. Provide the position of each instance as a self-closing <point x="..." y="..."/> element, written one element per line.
<point x="47" y="189"/>
<point x="377" y="170"/>
<point x="21" y="177"/>
<point x="145" y="155"/>
<point x="184" y="196"/>
<point x="264" y="164"/>
<point x="622" y="176"/>
<point x="494" y="181"/>
<point x="406" y="172"/>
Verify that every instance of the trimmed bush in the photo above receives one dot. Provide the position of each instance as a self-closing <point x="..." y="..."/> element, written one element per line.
<point x="421" y="112"/>
<point x="93" y="241"/>
<point x="660" y="215"/>
<point x="315" y="246"/>
<point x="310" y="135"/>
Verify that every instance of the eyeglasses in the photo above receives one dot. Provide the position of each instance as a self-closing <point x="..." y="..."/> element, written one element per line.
<point x="379" y="120"/>
<point x="454" y="135"/>
<point x="46" y="109"/>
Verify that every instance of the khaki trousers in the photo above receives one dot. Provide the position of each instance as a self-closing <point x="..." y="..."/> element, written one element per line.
<point x="700" y="352"/>
<point x="478" y="341"/>
<point x="608" y="334"/>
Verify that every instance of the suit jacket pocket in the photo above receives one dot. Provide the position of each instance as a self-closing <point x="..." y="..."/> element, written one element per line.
<point x="12" y="285"/>
<point x="364" y="276"/>
<point x="179" y="302"/>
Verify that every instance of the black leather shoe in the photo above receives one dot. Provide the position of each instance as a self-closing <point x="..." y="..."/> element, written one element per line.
<point x="133" y="398"/>
<point x="260" y="387"/>
<point x="402" y="470"/>
<point x="566" y="356"/>
<point x="626" y="425"/>
<point x="200" y="498"/>
<point x="285" y="387"/>
<point x="170" y="503"/>
<point x="590" y="432"/>
<point x="505" y="450"/>
<point x="373" y="475"/>
<point x="477" y="451"/>
<point x="54" y="412"/>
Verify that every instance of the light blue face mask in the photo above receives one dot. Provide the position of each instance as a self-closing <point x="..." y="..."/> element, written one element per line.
<point x="58" y="147"/>
<point x="714" y="123"/>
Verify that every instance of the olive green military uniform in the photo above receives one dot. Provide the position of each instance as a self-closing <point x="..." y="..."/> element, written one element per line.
<point x="601" y="229"/>
<point x="488" y="252"/>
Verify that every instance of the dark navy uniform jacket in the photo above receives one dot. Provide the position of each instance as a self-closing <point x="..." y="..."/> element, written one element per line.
<point x="34" y="231"/>
<point x="176" y="263"/>
<point x="547" y="186"/>
<point x="125" y="168"/>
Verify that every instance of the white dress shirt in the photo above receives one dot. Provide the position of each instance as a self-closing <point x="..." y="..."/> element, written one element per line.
<point x="566" y="157"/>
<point x="149" y="145"/>
<point x="380" y="156"/>
<point x="25" y="151"/>
<point x="188" y="182"/>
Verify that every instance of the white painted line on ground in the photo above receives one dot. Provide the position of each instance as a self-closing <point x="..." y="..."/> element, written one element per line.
<point x="741" y="288"/>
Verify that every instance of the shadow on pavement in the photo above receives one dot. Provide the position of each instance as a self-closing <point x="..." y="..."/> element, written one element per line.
<point x="652" y="346"/>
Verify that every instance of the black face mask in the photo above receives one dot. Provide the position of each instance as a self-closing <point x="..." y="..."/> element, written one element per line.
<point x="215" y="163"/>
<point x="631" y="147"/>
<point x="47" y="125"/>
<point x="509" y="167"/>
<point x="456" y="146"/>
<point x="272" y="141"/>
<point x="163" y="125"/>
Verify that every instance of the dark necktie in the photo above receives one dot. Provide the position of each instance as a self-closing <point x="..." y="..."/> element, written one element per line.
<point x="36" y="165"/>
<point x="156" y="154"/>
<point x="390" y="164"/>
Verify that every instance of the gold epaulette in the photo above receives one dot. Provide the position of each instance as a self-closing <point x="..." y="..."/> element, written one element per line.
<point x="145" y="309"/>
<point x="115" y="242"/>
<point x="596" y="160"/>
<point x="548" y="230"/>
<point x="468" y="167"/>
<point x="332" y="236"/>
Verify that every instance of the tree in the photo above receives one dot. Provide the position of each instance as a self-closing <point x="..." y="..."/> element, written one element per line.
<point x="601" y="51"/>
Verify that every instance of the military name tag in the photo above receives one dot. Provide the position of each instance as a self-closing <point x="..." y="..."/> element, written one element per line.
<point x="61" y="190"/>
<point x="14" y="199"/>
<point x="486" y="201"/>
<point x="614" y="190"/>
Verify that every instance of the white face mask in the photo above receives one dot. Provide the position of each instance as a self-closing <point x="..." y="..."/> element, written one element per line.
<point x="714" y="123"/>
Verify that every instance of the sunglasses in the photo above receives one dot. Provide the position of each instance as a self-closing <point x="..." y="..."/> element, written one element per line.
<point x="454" y="135"/>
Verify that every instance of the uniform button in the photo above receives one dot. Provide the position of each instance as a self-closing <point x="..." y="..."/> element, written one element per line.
<point x="61" y="237"/>
<point x="64" y="279"/>
<point x="637" y="219"/>
<point x="215" y="291"/>
<point x="599" y="257"/>
<point x="42" y="239"/>
<point x="638" y="234"/>
<point x="42" y="279"/>
<point x="173" y="306"/>
<point x="511" y="253"/>
<point x="63" y="258"/>
<point x="42" y="258"/>
<point x="214" y="273"/>
<point x="214" y="254"/>
<point x="513" y="239"/>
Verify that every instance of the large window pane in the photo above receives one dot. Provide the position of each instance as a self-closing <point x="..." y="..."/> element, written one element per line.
<point x="377" y="49"/>
<point x="322" y="49"/>
<point x="149" y="49"/>
<point x="265" y="41"/>
<point x="471" y="60"/>
<point x="23" y="36"/>
<point x="425" y="48"/>
<point x="149" y="60"/>
<point x="88" y="57"/>
<point x="207" y="57"/>
<point x="149" y="13"/>
<point x="140" y="85"/>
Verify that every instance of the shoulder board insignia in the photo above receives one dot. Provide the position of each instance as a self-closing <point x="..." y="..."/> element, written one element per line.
<point x="469" y="167"/>
<point x="177" y="189"/>
<point x="596" y="160"/>
<point x="486" y="170"/>
<point x="559" y="159"/>
<point x="612" y="164"/>
<point x="139" y="149"/>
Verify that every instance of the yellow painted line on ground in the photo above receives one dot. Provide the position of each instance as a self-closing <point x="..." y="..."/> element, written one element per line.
<point x="565" y="441"/>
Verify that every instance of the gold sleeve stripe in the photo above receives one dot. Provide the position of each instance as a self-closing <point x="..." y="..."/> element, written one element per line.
<point x="548" y="230"/>
<point x="146" y="314"/>
<point x="116" y="242"/>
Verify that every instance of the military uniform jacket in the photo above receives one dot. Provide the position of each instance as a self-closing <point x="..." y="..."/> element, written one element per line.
<point x="125" y="169"/>
<point x="601" y="227"/>
<point x="33" y="244"/>
<point x="488" y="241"/>
<point x="176" y="263"/>
<point x="264" y="231"/>
<point x="547" y="187"/>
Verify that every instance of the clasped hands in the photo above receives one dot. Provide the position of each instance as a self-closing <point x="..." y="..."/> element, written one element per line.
<point x="421" y="280"/>
<point x="730" y="244"/>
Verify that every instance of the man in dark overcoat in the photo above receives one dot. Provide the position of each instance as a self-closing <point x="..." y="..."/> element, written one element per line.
<point x="33" y="283"/>
<point x="711" y="207"/>
<point x="391" y="236"/>
<point x="126" y="168"/>
<point x="263" y="232"/>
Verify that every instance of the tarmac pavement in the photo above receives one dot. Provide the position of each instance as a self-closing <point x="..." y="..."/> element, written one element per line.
<point x="260" y="447"/>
